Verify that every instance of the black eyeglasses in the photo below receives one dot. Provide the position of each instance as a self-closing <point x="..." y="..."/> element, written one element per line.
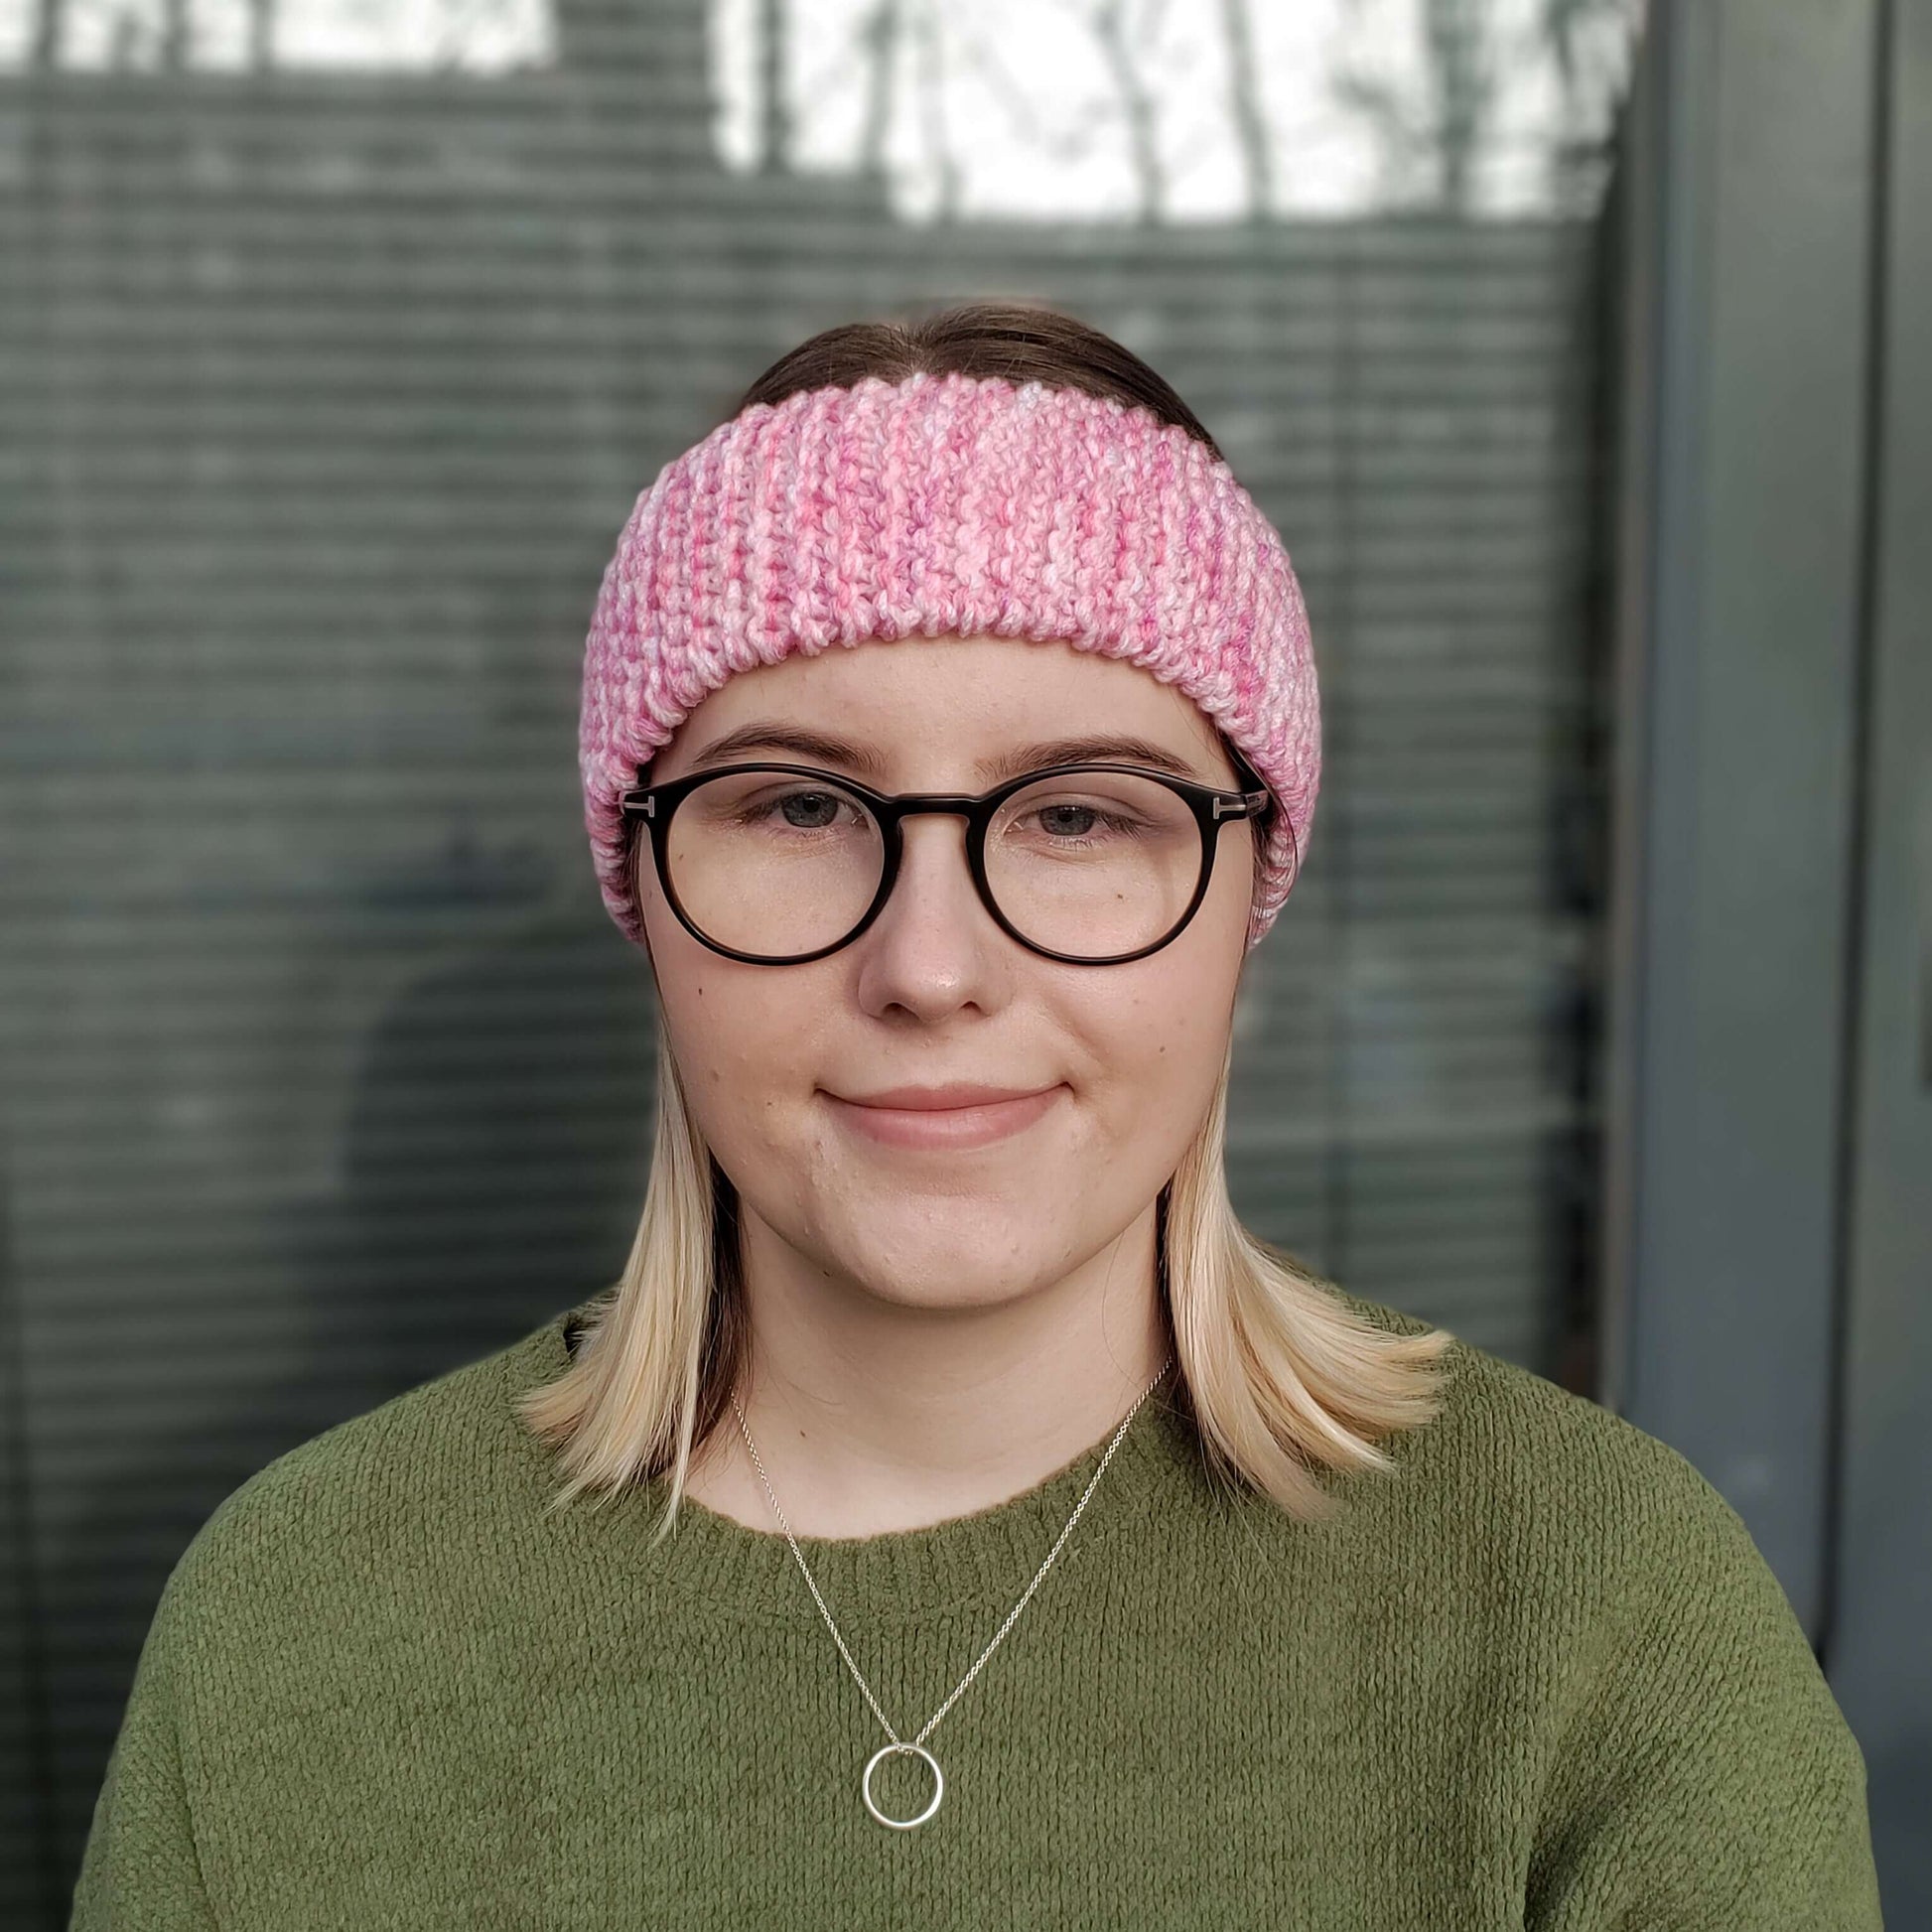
<point x="1093" y="864"/>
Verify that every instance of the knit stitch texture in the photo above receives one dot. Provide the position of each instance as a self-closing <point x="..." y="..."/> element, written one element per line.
<point x="945" y="506"/>
<point x="1541" y="1678"/>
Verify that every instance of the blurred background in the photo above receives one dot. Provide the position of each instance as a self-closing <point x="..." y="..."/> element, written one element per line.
<point x="1582" y="352"/>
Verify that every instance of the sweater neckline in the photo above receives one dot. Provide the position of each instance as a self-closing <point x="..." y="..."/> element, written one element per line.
<point x="899" y="1576"/>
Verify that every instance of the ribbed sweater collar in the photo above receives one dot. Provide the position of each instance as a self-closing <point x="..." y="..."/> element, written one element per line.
<point x="984" y="1559"/>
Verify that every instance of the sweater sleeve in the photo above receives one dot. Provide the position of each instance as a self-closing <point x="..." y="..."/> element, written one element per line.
<point x="139" y="1870"/>
<point x="1706" y="1776"/>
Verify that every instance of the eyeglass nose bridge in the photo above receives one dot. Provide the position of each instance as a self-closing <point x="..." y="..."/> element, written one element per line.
<point x="953" y="804"/>
<point x="892" y="814"/>
<point x="978" y="812"/>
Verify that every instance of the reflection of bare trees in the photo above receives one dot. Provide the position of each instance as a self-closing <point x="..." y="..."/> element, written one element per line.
<point x="1431" y="125"/>
<point x="1585" y="40"/>
<point x="1431" y="98"/>
<point x="139" y="34"/>
<point x="1438" y="132"/>
<point x="1461" y="59"/>
<point x="1444" y="128"/>
<point x="1244" y="104"/>
<point x="774" y="102"/>
<point x="930" y="49"/>
<point x="44" y="41"/>
<point x="160" y="35"/>
<point x="879" y="36"/>
<point x="1108" y="22"/>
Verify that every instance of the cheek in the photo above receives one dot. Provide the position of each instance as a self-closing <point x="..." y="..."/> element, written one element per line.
<point x="1165" y="1033"/>
<point x="1159" y="1043"/>
<point x="740" y="1038"/>
<point x="736" y="1035"/>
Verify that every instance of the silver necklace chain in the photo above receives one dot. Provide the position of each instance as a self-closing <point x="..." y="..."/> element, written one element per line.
<point x="916" y="1746"/>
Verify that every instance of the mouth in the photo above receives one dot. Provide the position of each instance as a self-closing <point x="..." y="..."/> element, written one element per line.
<point x="935" y="1118"/>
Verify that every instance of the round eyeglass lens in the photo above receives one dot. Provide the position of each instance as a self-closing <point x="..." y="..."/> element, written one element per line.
<point x="773" y="864"/>
<point x="1093" y="863"/>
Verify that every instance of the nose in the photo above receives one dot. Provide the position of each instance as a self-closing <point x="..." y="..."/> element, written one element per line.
<point x="934" y="946"/>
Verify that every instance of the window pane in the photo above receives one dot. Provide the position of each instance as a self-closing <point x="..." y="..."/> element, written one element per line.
<point x="335" y="342"/>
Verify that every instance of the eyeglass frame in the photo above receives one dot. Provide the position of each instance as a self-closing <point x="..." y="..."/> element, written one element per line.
<point x="1213" y="808"/>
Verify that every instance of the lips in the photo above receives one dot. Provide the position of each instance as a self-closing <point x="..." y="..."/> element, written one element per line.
<point x="960" y="1093"/>
<point x="937" y="1117"/>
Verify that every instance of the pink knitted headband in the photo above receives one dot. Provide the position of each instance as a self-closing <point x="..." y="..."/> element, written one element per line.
<point x="949" y="505"/>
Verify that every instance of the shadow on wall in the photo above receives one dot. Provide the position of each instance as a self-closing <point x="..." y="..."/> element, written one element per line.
<point x="495" y="1161"/>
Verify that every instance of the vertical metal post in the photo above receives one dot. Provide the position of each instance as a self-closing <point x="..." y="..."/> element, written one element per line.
<point x="1744" y="512"/>
<point x="1881" y="1601"/>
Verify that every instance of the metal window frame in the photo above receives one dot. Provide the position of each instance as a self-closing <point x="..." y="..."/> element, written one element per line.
<point x="1768" y="1208"/>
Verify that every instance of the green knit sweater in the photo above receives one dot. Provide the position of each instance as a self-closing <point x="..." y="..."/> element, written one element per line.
<point x="1538" y="1676"/>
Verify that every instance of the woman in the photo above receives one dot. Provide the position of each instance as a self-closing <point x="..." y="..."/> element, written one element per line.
<point x="953" y="1516"/>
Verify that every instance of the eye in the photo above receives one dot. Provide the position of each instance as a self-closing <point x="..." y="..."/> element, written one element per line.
<point x="809" y="811"/>
<point x="1070" y="820"/>
<point x="773" y="804"/>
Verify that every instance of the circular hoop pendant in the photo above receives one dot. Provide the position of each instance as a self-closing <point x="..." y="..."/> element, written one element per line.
<point x="938" y="1785"/>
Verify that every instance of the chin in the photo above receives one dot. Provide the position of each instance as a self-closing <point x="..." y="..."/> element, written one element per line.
<point x="946" y="1264"/>
<point x="948" y="1284"/>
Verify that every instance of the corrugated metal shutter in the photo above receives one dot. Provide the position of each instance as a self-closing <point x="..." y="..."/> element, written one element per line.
<point x="324" y="397"/>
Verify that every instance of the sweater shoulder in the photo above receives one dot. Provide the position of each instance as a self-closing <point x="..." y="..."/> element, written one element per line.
<point x="364" y="1502"/>
<point x="1560" y="1481"/>
<point x="1564" y="1529"/>
<point x="1691" y="1762"/>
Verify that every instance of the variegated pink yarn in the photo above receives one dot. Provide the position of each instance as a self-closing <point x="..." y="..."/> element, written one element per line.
<point x="949" y="505"/>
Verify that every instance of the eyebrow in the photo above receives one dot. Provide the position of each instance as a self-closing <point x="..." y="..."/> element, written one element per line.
<point x="823" y="748"/>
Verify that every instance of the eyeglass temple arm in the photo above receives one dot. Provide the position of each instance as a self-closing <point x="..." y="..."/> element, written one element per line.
<point x="1246" y="805"/>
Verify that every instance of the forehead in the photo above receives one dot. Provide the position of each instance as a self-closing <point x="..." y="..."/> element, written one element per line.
<point x="967" y="700"/>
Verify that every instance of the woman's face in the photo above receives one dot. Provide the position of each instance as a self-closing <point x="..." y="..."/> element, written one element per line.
<point x="933" y="991"/>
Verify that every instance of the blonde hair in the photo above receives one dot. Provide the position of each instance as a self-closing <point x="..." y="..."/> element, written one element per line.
<point x="1283" y="1380"/>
